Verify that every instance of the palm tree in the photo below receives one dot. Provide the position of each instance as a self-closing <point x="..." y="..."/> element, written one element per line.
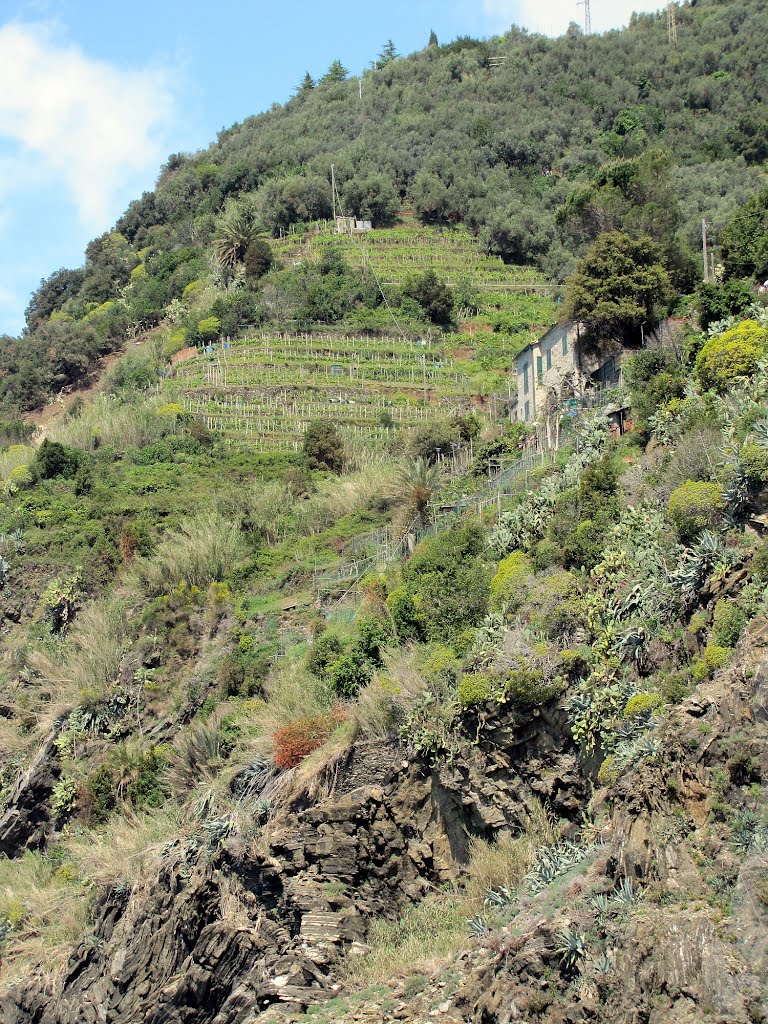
<point x="414" y="485"/>
<point x="237" y="228"/>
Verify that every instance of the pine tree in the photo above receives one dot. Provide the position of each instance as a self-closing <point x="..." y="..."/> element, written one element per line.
<point x="307" y="85"/>
<point x="433" y="39"/>
<point x="336" y="73"/>
<point x="387" y="55"/>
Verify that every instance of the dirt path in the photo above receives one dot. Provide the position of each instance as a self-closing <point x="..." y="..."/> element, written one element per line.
<point x="96" y="382"/>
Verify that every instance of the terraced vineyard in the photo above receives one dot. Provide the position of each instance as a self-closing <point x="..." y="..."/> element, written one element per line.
<point x="269" y="386"/>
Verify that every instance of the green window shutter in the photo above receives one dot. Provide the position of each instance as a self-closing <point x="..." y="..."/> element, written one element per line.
<point x="539" y="369"/>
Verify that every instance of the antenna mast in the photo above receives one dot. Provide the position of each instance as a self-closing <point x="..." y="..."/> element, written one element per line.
<point x="586" y="4"/>
<point x="671" y="24"/>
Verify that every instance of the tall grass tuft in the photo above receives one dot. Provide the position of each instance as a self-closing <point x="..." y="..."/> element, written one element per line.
<point x="108" y="421"/>
<point x="203" y="550"/>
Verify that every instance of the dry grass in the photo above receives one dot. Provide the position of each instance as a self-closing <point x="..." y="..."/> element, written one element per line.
<point x="105" y="420"/>
<point x="203" y="550"/>
<point x="425" y="933"/>
<point x="47" y="909"/>
<point x="382" y="705"/>
<point x="507" y="861"/>
<point x="122" y="848"/>
<point x="87" y="665"/>
<point x="13" y="457"/>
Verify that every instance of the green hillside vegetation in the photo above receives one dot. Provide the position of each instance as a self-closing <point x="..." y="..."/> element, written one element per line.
<point x="609" y="136"/>
<point x="300" y="513"/>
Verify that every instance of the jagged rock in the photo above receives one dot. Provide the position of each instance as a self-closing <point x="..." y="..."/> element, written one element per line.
<point x="28" y="820"/>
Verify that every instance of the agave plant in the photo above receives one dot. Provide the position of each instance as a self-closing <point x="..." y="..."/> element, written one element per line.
<point x="572" y="949"/>
<point x="478" y="926"/>
<point x="626" y="895"/>
<point x="600" y="907"/>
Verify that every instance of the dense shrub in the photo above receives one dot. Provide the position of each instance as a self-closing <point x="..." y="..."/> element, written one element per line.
<point x="432" y="441"/>
<point x="554" y="605"/>
<point x="54" y="459"/>
<point x="728" y="623"/>
<point x="447" y="580"/>
<point x="324" y="447"/>
<point x="326" y="649"/>
<point x="474" y="688"/>
<point x="695" y="506"/>
<point x="754" y="460"/>
<point x="527" y="686"/>
<point x="349" y="673"/>
<point x="509" y="586"/>
<point x="736" y="353"/>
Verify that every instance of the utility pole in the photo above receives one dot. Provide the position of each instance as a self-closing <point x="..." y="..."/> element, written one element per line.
<point x="705" y="249"/>
<point x="586" y="4"/>
<point x="671" y="24"/>
<point x="333" y="191"/>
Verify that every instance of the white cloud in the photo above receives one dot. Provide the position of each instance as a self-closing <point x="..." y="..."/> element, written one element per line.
<point x="554" y="16"/>
<point x="75" y="123"/>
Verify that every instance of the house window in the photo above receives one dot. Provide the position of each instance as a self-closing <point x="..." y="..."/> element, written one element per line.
<point x="525" y="379"/>
<point x="549" y="358"/>
<point x="565" y="344"/>
<point x="539" y="369"/>
<point x="527" y="410"/>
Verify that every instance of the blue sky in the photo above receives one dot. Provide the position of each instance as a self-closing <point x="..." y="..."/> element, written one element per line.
<point x="94" y="95"/>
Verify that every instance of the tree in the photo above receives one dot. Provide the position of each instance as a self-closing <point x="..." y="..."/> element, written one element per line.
<point x="432" y="39"/>
<point x="335" y="73"/>
<point x="744" y="246"/>
<point x="324" y="447"/>
<point x="373" y="197"/>
<point x="433" y="295"/>
<point x="237" y="228"/>
<point x="414" y="485"/>
<point x="51" y="295"/>
<point x="618" y="285"/>
<point x="306" y="86"/>
<point x="387" y="55"/>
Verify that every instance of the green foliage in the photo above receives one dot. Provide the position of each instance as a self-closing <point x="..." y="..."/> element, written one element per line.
<point x="754" y="461"/>
<point x="447" y="580"/>
<point x="734" y="354"/>
<point x="474" y="688"/>
<point x="433" y="441"/>
<point x="618" y="285"/>
<point x="717" y="301"/>
<point x="433" y="295"/>
<point x="324" y="447"/>
<point x="53" y="459"/>
<point x="510" y="585"/>
<point x="745" y="240"/>
<point x="326" y="649"/>
<point x="349" y="674"/>
<point x="554" y="606"/>
<point x="527" y="686"/>
<point x="715" y="656"/>
<point x="209" y="328"/>
<point x="728" y="623"/>
<point x="641" y="704"/>
<point x="695" y="506"/>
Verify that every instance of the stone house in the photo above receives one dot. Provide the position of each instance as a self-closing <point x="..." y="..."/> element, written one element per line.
<point x="564" y="364"/>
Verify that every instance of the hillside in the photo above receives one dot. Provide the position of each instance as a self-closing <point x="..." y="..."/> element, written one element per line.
<point x="535" y="145"/>
<point x="337" y="683"/>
